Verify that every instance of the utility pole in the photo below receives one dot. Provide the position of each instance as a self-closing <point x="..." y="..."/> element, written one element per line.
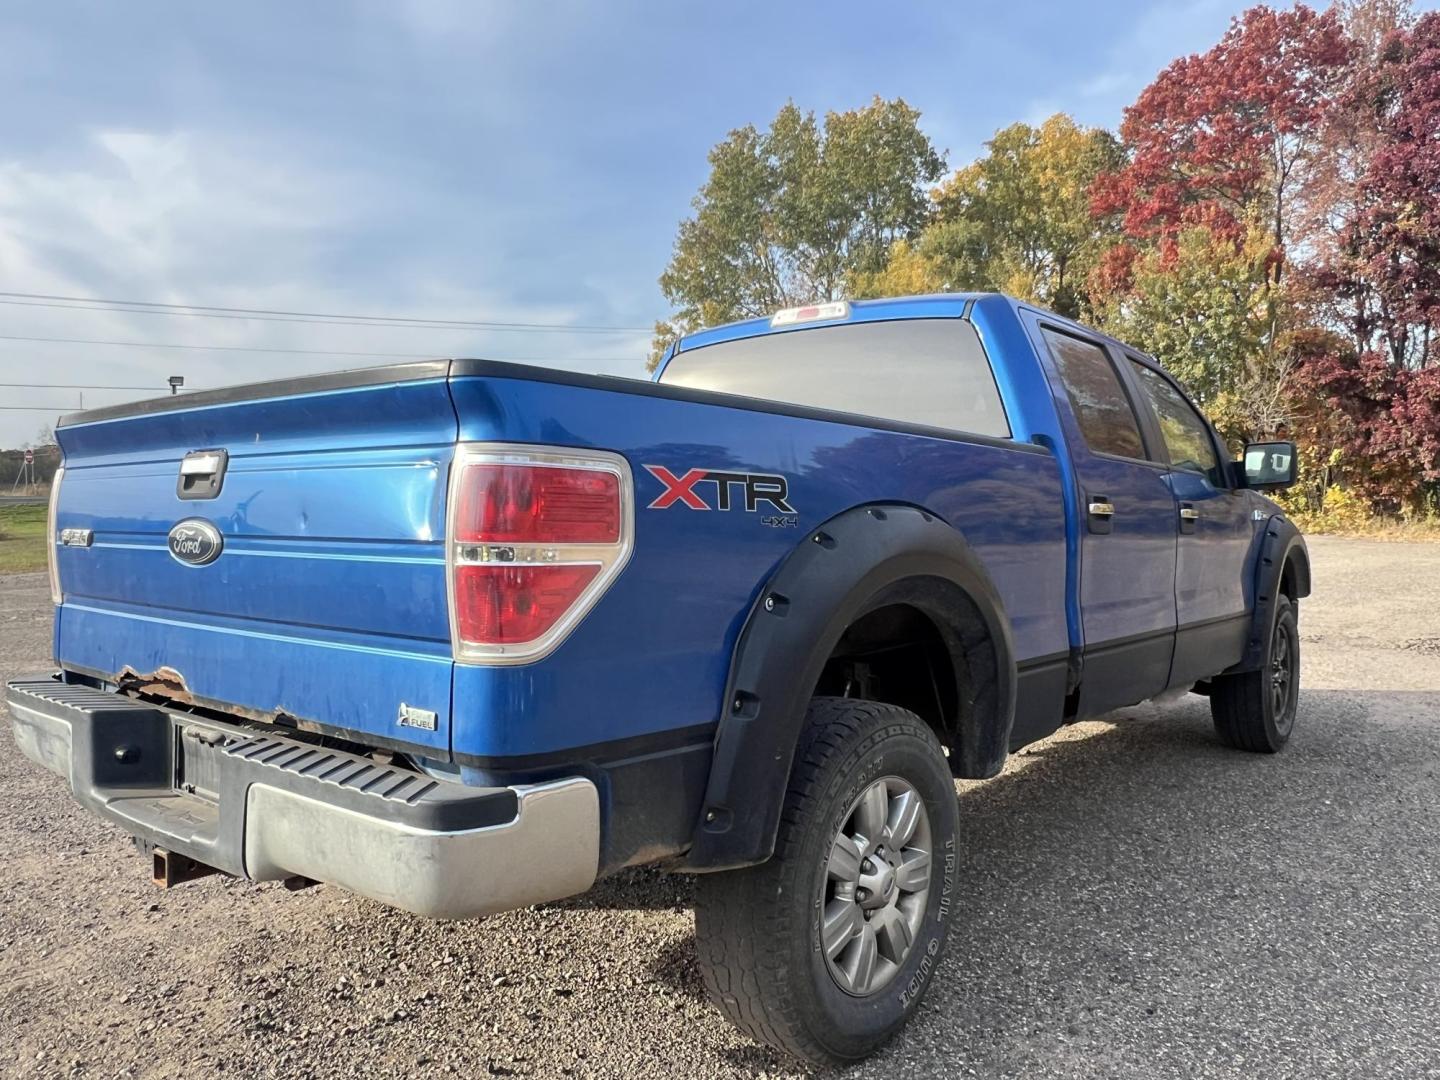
<point x="26" y="475"/>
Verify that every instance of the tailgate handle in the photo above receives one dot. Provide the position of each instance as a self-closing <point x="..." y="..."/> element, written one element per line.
<point x="202" y="472"/>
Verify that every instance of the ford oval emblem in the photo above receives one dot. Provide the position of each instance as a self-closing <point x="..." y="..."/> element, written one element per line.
<point x="195" y="542"/>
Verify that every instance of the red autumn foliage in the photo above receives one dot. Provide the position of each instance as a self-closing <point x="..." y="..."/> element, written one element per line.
<point x="1400" y="227"/>
<point x="1226" y="132"/>
<point x="1383" y="420"/>
<point x="1323" y="129"/>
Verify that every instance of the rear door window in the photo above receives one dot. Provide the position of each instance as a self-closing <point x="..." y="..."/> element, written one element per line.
<point x="1102" y="408"/>
<point x="932" y="372"/>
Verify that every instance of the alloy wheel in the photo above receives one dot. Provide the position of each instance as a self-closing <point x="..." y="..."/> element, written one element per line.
<point x="877" y="881"/>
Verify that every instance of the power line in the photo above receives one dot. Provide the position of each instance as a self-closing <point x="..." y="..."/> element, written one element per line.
<point x="322" y="314"/>
<point x="493" y="329"/>
<point x="158" y="387"/>
<point x="291" y="352"/>
<point x="209" y="348"/>
<point x="148" y="307"/>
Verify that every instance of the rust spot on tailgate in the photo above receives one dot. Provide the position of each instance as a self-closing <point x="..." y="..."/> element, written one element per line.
<point x="169" y="685"/>
<point x="165" y="681"/>
<point x="166" y="687"/>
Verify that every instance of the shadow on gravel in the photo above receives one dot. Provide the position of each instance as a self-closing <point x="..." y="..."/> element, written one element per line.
<point x="1049" y="790"/>
<point x="650" y="889"/>
<point x="1121" y="861"/>
<point x="677" y="966"/>
<point x="641" y="889"/>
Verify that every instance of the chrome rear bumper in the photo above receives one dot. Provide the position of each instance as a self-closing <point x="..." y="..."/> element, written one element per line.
<point x="266" y="807"/>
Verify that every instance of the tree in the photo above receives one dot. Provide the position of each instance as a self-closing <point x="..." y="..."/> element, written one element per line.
<point x="1342" y="288"/>
<point x="1363" y="393"/>
<point x="1398" y="239"/>
<point x="789" y="215"/>
<point x="1205" y="308"/>
<point x="1031" y="196"/>
<point x="1228" y="168"/>
<point x="1371" y="425"/>
<point x="1220" y="137"/>
<point x="1017" y="220"/>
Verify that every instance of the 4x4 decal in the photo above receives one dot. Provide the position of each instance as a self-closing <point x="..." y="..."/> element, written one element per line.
<point x="757" y="488"/>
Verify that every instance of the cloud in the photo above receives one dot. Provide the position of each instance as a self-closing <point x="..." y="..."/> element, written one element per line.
<point x="152" y="213"/>
<point x="192" y="217"/>
<point x="1132" y="59"/>
<point x="1106" y="83"/>
<point x="1157" y="37"/>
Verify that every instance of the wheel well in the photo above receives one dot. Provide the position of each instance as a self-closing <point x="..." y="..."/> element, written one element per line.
<point x="897" y="654"/>
<point x="1295" y="576"/>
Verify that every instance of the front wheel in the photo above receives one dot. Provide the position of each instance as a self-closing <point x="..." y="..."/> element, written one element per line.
<point x="1255" y="710"/>
<point x="826" y="950"/>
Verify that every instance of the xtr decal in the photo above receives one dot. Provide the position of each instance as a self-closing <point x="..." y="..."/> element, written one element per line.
<point x="757" y="488"/>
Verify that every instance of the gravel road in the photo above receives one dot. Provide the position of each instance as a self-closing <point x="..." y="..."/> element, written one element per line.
<point x="1140" y="903"/>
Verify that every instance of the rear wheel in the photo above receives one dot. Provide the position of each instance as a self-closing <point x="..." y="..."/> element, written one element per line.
<point x="1255" y="710"/>
<point x="825" y="950"/>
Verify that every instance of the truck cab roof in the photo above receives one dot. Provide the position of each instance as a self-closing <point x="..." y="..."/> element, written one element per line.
<point x="927" y="306"/>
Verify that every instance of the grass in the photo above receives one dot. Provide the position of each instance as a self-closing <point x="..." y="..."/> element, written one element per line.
<point x="22" y="538"/>
<point x="1377" y="528"/>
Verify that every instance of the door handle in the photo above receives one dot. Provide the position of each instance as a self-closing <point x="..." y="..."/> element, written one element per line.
<point x="1188" y="517"/>
<point x="1102" y="510"/>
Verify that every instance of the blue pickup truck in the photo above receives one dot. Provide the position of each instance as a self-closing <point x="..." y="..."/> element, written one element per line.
<point x="464" y="636"/>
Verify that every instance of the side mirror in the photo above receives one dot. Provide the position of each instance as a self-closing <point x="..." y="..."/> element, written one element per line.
<point x="1270" y="466"/>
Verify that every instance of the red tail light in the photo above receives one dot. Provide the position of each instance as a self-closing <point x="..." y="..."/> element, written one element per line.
<point x="530" y="504"/>
<point x="508" y="605"/>
<point x="535" y="536"/>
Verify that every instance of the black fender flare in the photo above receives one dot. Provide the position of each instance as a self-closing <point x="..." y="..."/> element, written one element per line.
<point x="1281" y="548"/>
<point x="860" y="560"/>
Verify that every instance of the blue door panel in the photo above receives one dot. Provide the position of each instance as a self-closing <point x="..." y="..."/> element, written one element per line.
<point x="1210" y="578"/>
<point x="1214" y="585"/>
<point x="1127" y="576"/>
<point x="1126" y="572"/>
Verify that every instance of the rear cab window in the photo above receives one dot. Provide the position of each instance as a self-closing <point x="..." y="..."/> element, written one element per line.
<point x="930" y="372"/>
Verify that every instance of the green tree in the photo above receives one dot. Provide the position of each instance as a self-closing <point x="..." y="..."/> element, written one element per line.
<point x="1018" y="220"/>
<point x="1206" y="307"/>
<point x="789" y="215"/>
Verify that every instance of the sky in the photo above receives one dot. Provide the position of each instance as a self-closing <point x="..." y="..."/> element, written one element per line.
<point x="496" y="162"/>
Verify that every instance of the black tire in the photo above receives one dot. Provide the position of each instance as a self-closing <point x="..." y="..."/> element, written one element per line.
<point x="1255" y="710"/>
<point x="758" y="930"/>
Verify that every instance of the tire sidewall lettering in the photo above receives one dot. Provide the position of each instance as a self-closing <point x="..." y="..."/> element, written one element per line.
<point x="924" y="958"/>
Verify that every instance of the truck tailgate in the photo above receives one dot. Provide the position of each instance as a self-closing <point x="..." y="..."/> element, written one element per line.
<point x="327" y="601"/>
